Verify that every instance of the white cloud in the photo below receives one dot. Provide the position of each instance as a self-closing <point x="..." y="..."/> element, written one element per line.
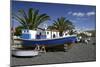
<point x="81" y="14"/>
<point x="78" y="14"/>
<point x="90" y="13"/>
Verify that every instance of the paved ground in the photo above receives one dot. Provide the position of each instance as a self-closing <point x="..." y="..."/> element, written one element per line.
<point x="79" y="52"/>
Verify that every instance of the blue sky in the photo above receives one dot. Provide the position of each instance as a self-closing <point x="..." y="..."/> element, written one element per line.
<point x="82" y="16"/>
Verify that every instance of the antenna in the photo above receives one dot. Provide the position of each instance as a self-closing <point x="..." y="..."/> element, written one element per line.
<point x="45" y="26"/>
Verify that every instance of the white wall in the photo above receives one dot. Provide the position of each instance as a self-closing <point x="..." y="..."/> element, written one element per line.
<point x="51" y="33"/>
<point x="48" y="33"/>
<point x="64" y="34"/>
<point x="33" y="34"/>
<point x="54" y="33"/>
<point x="85" y="2"/>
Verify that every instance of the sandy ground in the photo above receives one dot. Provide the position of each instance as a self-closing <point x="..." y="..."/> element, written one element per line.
<point x="78" y="53"/>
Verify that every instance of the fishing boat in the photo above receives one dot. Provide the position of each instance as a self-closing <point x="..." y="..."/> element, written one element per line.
<point x="29" y="38"/>
<point x="49" y="42"/>
<point x="25" y="53"/>
<point x="19" y="51"/>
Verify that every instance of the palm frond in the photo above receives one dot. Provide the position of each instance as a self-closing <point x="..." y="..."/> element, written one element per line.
<point x="61" y="24"/>
<point x="30" y="19"/>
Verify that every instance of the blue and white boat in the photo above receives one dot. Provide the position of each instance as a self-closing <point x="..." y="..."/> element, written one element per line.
<point x="49" y="42"/>
<point x="30" y="38"/>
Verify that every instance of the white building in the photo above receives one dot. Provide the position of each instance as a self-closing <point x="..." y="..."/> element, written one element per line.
<point x="87" y="33"/>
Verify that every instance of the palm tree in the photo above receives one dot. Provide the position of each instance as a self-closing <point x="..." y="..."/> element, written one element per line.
<point x="18" y="30"/>
<point x="61" y="24"/>
<point x="31" y="19"/>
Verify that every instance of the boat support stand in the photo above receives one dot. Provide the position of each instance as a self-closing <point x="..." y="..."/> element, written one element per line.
<point x="40" y="48"/>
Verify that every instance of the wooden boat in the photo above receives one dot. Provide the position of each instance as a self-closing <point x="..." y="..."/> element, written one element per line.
<point x="24" y="53"/>
<point x="49" y="42"/>
<point x="41" y="42"/>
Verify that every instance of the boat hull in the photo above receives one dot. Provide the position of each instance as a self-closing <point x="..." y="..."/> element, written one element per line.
<point x="25" y="53"/>
<point x="49" y="42"/>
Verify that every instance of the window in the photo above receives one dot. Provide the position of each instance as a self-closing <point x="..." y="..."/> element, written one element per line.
<point x="27" y="30"/>
<point x="24" y="31"/>
<point x="47" y="32"/>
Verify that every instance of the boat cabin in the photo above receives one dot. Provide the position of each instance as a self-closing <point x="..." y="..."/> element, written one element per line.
<point x="40" y="34"/>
